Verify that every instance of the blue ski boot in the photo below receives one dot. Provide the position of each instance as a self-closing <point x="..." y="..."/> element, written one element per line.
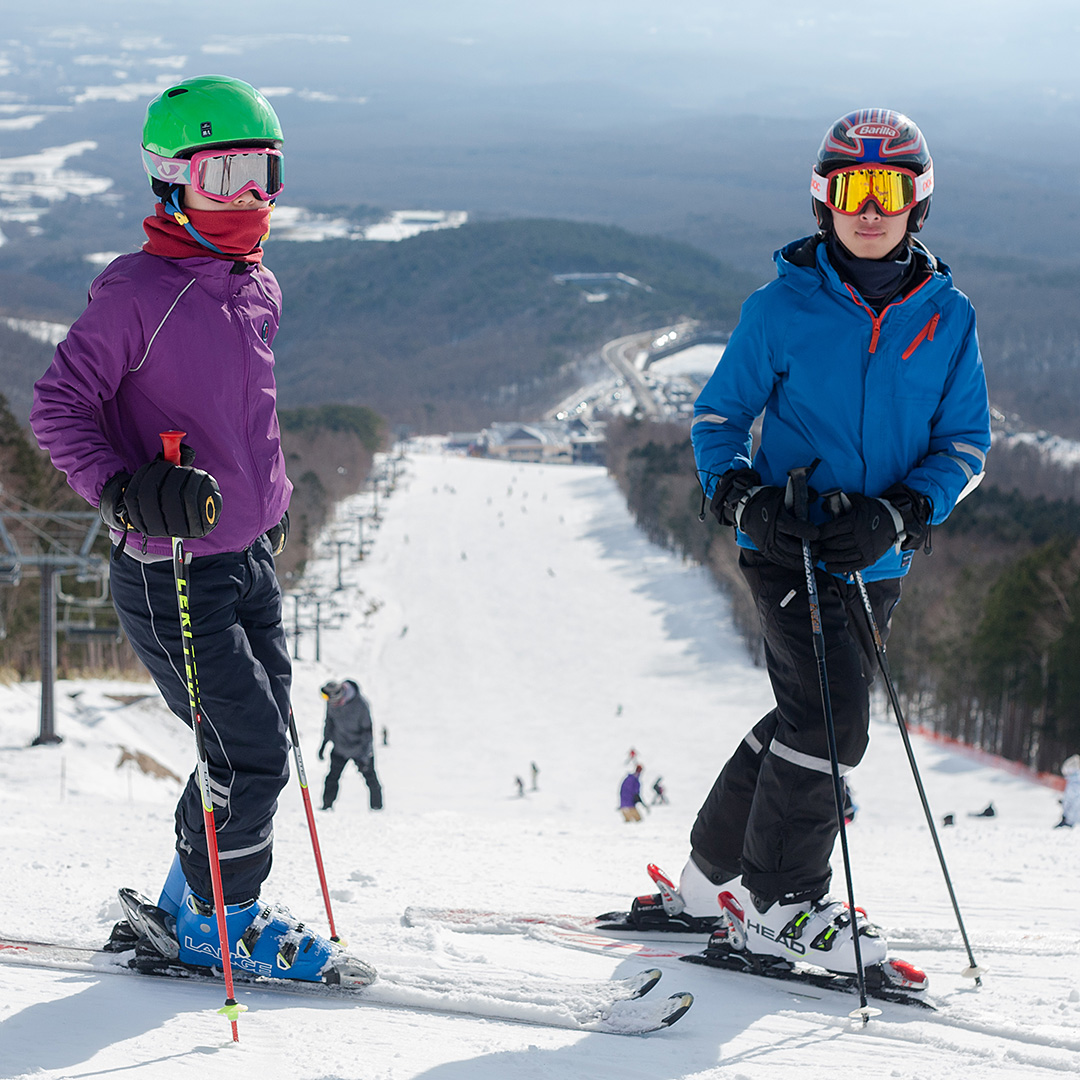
<point x="265" y="941"/>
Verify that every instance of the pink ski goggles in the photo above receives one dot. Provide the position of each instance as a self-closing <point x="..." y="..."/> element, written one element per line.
<point x="222" y="175"/>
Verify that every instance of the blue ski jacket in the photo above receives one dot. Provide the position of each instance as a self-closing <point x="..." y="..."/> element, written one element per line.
<point x="876" y="399"/>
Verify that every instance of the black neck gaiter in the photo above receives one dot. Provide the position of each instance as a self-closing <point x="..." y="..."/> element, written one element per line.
<point x="877" y="280"/>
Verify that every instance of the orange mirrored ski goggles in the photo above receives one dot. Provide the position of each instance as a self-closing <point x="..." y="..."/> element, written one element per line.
<point x="847" y="191"/>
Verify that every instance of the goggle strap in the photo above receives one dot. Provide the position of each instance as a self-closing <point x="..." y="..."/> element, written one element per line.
<point x="169" y="170"/>
<point x="924" y="183"/>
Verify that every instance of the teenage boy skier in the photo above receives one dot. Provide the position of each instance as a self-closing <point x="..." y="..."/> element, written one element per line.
<point x="864" y="359"/>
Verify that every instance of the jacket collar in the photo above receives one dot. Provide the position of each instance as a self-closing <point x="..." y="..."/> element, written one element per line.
<point x="804" y="266"/>
<point x="217" y="277"/>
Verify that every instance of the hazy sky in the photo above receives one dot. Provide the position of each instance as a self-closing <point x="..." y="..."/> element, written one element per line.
<point x="612" y="110"/>
<point x="778" y="58"/>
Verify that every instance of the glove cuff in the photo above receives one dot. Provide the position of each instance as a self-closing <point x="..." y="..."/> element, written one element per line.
<point x="897" y="520"/>
<point x="732" y="491"/>
<point x="740" y="506"/>
<point x="111" y="507"/>
<point x="915" y="509"/>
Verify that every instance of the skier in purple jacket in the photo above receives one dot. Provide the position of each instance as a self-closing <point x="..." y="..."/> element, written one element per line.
<point x="630" y="795"/>
<point x="178" y="337"/>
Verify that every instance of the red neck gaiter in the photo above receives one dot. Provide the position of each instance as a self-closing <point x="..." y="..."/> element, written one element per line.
<point x="239" y="234"/>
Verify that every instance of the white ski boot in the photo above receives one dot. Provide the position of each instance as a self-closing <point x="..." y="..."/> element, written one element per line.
<point x="818" y="932"/>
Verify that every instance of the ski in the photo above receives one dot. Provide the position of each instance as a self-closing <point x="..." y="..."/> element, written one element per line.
<point x="582" y="932"/>
<point x="881" y="979"/>
<point x="617" y="1006"/>
<point x="603" y="933"/>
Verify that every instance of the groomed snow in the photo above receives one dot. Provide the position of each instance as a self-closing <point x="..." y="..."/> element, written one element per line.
<point x="508" y="614"/>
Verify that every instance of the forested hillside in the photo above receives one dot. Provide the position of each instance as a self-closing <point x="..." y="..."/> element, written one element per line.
<point x="984" y="645"/>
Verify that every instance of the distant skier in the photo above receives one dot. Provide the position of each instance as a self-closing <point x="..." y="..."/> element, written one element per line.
<point x="348" y="727"/>
<point x="864" y="360"/>
<point x="659" y="793"/>
<point x="534" y="770"/>
<point x="520" y="785"/>
<point x="1070" y="801"/>
<point x="630" y="795"/>
<point x="178" y="336"/>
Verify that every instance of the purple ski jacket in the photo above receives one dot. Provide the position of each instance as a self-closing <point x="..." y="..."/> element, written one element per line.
<point x="168" y="344"/>
<point x="630" y="791"/>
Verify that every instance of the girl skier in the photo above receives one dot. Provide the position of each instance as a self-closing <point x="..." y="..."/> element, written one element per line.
<point x="178" y="337"/>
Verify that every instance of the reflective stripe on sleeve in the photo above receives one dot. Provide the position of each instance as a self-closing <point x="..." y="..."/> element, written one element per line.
<point x="709" y="418"/>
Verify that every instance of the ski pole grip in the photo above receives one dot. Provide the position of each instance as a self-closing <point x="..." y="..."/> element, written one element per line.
<point x="797" y="498"/>
<point x="170" y="443"/>
<point x="797" y="495"/>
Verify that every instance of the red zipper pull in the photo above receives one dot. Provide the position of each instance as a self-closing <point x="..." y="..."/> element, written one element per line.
<point x="925" y="334"/>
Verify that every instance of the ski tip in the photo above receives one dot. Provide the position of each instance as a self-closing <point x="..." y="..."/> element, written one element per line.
<point x="646" y="980"/>
<point x="682" y="1003"/>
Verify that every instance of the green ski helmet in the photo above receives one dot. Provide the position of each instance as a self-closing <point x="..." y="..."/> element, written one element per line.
<point x="203" y="112"/>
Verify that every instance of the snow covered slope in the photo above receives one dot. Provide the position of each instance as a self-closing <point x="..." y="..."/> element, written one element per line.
<point x="506" y="615"/>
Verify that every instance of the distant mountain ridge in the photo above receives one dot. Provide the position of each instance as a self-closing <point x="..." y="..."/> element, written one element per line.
<point x="469" y="325"/>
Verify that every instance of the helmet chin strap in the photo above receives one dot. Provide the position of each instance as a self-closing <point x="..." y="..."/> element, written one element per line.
<point x="172" y="205"/>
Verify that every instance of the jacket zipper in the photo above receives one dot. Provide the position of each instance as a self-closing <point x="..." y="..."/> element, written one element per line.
<point x="878" y="318"/>
<point x="925" y="334"/>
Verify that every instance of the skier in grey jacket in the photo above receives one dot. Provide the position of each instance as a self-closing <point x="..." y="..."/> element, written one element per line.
<point x="348" y="727"/>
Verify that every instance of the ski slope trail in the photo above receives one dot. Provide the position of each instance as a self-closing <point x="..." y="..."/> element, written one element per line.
<point x="505" y="616"/>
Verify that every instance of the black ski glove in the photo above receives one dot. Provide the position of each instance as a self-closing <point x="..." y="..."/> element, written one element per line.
<point x="162" y="499"/>
<point x="730" y="489"/>
<point x="777" y="533"/>
<point x="279" y="535"/>
<point x="916" y="509"/>
<point x="861" y="532"/>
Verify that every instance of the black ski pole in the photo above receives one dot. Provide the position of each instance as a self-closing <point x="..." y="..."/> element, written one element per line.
<point x="973" y="971"/>
<point x="797" y="480"/>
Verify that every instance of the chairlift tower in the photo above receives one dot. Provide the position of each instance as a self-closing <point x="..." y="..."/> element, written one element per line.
<point x="52" y="542"/>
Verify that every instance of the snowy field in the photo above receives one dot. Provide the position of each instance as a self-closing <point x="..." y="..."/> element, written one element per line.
<point x="504" y="615"/>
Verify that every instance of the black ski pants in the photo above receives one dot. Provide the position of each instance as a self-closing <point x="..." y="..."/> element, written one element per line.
<point x="366" y="768"/>
<point x="244" y="677"/>
<point x="771" y="814"/>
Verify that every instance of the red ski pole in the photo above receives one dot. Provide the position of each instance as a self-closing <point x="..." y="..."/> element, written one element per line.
<point x="302" y="776"/>
<point x="231" y="1010"/>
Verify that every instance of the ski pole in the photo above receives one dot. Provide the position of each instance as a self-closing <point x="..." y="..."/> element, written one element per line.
<point x="302" y="776"/>
<point x="231" y="1010"/>
<point x="797" y="479"/>
<point x="973" y="971"/>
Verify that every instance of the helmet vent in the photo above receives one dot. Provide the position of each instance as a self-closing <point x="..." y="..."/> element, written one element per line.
<point x="178" y="90"/>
